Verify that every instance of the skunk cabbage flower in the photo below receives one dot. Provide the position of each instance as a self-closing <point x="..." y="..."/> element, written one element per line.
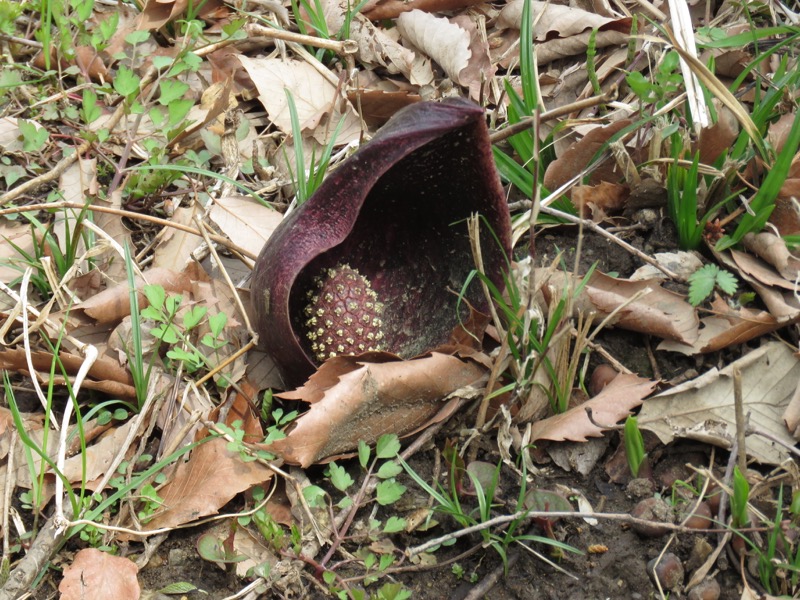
<point x="376" y="258"/>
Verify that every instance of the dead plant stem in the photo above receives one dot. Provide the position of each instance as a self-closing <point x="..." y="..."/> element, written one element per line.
<point x="524" y="514"/>
<point x="342" y="48"/>
<point x="561" y="111"/>
<point x="741" y="421"/>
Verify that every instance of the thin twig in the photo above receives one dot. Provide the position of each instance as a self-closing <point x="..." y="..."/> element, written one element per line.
<point x="529" y="122"/>
<point x="543" y="514"/>
<point x="341" y="48"/>
<point x="741" y="422"/>
<point x="130" y="215"/>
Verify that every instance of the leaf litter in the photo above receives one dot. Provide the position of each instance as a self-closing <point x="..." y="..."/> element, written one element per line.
<point x="430" y="50"/>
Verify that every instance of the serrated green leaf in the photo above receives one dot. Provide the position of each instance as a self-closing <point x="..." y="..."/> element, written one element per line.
<point x="388" y="446"/>
<point x="726" y="281"/>
<point x="313" y="495"/>
<point x="340" y="478"/>
<point x="389" y="469"/>
<point x="701" y="284"/>
<point x="394" y="524"/>
<point x="389" y="491"/>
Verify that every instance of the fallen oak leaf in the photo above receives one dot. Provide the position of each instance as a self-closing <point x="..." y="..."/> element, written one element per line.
<point x="360" y="398"/>
<point x="703" y="408"/>
<point x="658" y="312"/>
<point x="214" y="473"/>
<point x="96" y="574"/>
<point x="613" y="403"/>
<point x="726" y="327"/>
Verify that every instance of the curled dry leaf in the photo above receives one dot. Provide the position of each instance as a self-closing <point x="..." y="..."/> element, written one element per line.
<point x="353" y="400"/>
<point x="96" y="574"/>
<point x="313" y="94"/>
<point x="105" y="374"/>
<point x="213" y="474"/>
<point x="113" y="304"/>
<point x="777" y="293"/>
<point x="725" y="327"/>
<point x="577" y="158"/>
<point x="657" y="312"/>
<point x="453" y="43"/>
<point x="560" y="31"/>
<point x="703" y="408"/>
<point x="378" y="47"/>
<point x="615" y="402"/>
<point x="557" y="20"/>
<point x="772" y="249"/>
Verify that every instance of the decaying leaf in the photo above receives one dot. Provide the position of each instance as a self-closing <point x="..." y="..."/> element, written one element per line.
<point x="615" y="402"/>
<point x="378" y="47"/>
<point x="378" y="10"/>
<point x="113" y="304"/>
<point x="577" y="158"/>
<point x="96" y="574"/>
<point x="657" y="312"/>
<point x="453" y="43"/>
<point x="703" y="408"/>
<point x="318" y="106"/>
<point x="213" y="474"/>
<point x="560" y="31"/>
<point x="725" y="327"/>
<point x="353" y="400"/>
<point x="244" y="220"/>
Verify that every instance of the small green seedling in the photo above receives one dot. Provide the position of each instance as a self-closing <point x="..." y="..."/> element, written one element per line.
<point x="703" y="281"/>
<point x="634" y="448"/>
<point x="741" y="494"/>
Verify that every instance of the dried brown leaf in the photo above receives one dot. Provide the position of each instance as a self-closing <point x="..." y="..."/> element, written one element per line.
<point x="213" y="474"/>
<point x="658" y="312"/>
<point x="703" y="408"/>
<point x="615" y="402"/>
<point x="175" y="246"/>
<point x="726" y="327"/>
<point x="599" y="201"/>
<point x="557" y="20"/>
<point x="315" y="98"/>
<point x="355" y="400"/>
<point x="96" y="575"/>
<point x="773" y="250"/>
<point x="244" y="220"/>
<point x="577" y="158"/>
<point x="113" y="303"/>
<point x="378" y="47"/>
<point x="453" y="43"/>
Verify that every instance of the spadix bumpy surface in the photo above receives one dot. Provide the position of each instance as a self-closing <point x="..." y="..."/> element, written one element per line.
<point x="343" y="314"/>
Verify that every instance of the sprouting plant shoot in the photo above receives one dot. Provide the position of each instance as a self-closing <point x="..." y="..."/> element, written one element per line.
<point x="634" y="446"/>
<point x="741" y="494"/>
